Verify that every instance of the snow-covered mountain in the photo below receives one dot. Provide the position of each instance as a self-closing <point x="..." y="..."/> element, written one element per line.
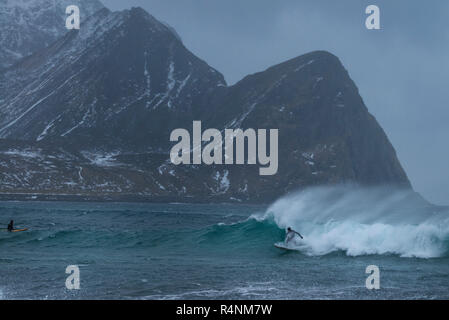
<point x="91" y="116"/>
<point x="121" y="72"/>
<point x="29" y="25"/>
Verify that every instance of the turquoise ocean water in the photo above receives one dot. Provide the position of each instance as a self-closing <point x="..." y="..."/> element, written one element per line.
<point x="189" y="251"/>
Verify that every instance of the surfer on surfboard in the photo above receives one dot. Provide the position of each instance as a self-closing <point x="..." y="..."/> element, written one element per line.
<point x="11" y="228"/>
<point x="290" y="235"/>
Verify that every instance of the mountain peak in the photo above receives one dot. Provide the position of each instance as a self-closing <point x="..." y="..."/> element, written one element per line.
<point x="121" y="62"/>
<point x="139" y="11"/>
<point x="140" y="16"/>
<point x="312" y="58"/>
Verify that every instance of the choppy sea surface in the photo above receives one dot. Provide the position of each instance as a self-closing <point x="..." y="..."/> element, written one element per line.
<point x="190" y="251"/>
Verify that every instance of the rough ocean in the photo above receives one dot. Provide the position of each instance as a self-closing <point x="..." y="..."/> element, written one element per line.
<point x="188" y="251"/>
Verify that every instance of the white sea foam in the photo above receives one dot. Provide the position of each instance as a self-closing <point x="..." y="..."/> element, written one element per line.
<point x="362" y="222"/>
<point x="262" y="290"/>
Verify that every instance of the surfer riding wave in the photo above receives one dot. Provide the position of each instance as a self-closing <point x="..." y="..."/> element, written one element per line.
<point x="291" y="235"/>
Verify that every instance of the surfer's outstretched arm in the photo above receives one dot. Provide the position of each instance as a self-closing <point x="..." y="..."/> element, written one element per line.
<point x="299" y="235"/>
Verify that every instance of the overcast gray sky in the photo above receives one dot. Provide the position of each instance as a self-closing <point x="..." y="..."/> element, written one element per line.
<point x="401" y="70"/>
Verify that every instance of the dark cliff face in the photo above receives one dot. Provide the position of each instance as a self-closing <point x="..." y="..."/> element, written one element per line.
<point x="97" y="107"/>
<point x="326" y="134"/>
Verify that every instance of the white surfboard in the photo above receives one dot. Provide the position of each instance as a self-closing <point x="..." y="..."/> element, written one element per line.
<point x="282" y="246"/>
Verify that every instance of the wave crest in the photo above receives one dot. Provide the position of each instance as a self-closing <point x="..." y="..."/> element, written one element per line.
<point x="363" y="222"/>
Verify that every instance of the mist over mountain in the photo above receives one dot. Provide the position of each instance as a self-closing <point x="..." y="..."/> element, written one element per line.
<point x="90" y="116"/>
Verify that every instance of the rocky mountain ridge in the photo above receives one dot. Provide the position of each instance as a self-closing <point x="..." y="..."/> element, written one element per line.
<point x="90" y="116"/>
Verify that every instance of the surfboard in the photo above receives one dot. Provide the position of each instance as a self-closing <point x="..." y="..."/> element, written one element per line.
<point x="284" y="247"/>
<point x="15" y="230"/>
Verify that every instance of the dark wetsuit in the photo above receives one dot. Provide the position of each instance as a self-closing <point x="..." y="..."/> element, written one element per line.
<point x="10" y="226"/>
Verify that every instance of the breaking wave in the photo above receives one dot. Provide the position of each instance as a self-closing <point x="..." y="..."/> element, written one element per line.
<point x="363" y="222"/>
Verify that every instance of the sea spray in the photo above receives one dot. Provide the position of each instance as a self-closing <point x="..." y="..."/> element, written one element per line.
<point x="363" y="221"/>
